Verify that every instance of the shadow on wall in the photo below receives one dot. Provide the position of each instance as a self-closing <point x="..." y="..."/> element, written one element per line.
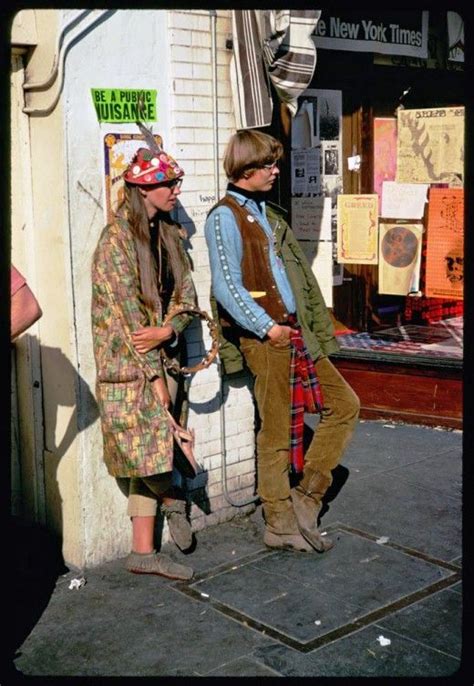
<point x="37" y="549"/>
<point x="76" y="394"/>
<point x="215" y="405"/>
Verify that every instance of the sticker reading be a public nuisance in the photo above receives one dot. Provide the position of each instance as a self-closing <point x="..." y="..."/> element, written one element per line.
<point x="121" y="105"/>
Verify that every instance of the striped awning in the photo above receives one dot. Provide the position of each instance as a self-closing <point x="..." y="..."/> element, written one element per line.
<point x="270" y="45"/>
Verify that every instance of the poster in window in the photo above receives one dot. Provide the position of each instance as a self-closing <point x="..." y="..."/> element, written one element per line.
<point x="455" y="37"/>
<point x="330" y="158"/>
<point x="304" y="129"/>
<point x="319" y="256"/>
<point x="357" y="217"/>
<point x="305" y="171"/>
<point x="399" y="257"/>
<point x="311" y="218"/>
<point x="445" y="244"/>
<point x="404" y="200"/>
<point x="385" y="151"/>
<point x="327" y="106"/>
<point x="430" y="146"/>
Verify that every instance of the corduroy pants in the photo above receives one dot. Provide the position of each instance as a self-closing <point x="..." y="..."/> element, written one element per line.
<point x="270" y="367"/>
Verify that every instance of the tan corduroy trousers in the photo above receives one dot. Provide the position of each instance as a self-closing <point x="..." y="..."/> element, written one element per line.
<point x="270" y="367"/>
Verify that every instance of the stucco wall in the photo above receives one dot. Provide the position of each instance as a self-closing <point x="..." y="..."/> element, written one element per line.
<point x="169" y="51"/>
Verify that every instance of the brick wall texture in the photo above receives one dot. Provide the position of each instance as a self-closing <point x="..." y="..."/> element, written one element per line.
<point x="201" y="122"/>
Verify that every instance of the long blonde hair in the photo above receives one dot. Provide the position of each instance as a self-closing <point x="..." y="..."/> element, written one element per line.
<point x="134" y="210"/>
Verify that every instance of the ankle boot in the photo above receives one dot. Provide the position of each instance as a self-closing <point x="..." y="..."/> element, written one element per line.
<point x="179" y="527"/>
<point x="281" y="530"/>
<point x="306" y="511"/>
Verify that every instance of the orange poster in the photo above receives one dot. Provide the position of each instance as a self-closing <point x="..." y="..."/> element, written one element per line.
<point x="445" y="243"/>
<point x="385" y="152"/>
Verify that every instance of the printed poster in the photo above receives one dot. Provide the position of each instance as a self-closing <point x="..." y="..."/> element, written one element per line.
<point x="305" y="171"/>
<point x="121" y="105"/>
<point x="385" y="152"/>
<point x="445" y="244"/>
<point x="331" y="162"/>
<point x="399" y="258"/>
<point x="357" y="229"/>
<point x="403" y="200"/>
<point x="119" y="149"/>
<point x="304" y="129"/>
<point x="328" y="106"/>
<point x="319" y="256"/>
<point x="431" y="146"/>
<point x="311" y="218"/>
<point x="455" y="37"/>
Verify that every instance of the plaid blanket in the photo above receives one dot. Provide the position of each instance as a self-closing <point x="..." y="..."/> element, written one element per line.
<point x="306" y="396"/>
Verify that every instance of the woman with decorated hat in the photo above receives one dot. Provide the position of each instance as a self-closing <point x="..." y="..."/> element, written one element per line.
<point x="139" y="272"/>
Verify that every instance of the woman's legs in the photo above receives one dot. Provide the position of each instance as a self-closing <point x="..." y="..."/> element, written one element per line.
<point x="142" y="506"/>
<point x="143" y="530"/>
<point x="143" y="497"/>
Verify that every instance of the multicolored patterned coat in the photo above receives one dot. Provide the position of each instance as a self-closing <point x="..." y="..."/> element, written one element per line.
<point x="137" y="441"/>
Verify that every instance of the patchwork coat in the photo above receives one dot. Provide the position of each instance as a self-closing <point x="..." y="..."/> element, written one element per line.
<point x="136" y="438"/>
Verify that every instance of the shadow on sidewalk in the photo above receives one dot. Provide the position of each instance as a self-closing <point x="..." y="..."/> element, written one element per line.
<point x="35" y="566"/>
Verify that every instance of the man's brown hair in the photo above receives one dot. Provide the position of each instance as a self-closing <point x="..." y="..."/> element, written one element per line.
<point x="249" y="150"/>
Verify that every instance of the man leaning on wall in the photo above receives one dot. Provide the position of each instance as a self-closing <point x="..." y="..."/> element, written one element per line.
<point x="272" y="314"/>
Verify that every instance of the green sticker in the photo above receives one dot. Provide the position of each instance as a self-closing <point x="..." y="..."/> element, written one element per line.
<point x="120" y="105"/>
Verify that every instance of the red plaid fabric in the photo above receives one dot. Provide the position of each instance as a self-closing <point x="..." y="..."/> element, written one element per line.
<point x="306" y="396"/>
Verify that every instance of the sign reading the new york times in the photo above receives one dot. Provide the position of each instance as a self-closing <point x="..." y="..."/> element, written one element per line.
<point x="392" y="32"/>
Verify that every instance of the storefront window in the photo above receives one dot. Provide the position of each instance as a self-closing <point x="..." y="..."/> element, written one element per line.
<point x="376" y="166"/>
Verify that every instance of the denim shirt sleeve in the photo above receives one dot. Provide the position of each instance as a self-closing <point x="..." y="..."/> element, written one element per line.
<point x="224" y="244"/>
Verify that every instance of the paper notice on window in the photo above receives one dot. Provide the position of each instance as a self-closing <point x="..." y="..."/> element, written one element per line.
<point x="399" y="258"/>
<point x="305" y="171"/>
<point x="357" y="217"/>
<point x="331" y="159"/>
<point x="302" y="135"/>
<point x="403" y="200"/>
<point x="319" y="256"/>
<point x="431" y="146"/>
<point x="311" y="218"/>
<point x="445" y="244"/>
<point x="385" y="151"/>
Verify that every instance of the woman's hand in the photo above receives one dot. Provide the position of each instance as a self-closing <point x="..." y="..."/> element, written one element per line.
<point x="149" y="337"/>
<point x="161" y="393"/>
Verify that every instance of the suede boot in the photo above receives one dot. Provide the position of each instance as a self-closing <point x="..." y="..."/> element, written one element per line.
<point x="157" y="563"/>
<point x="307" y="504"/>
<point x="179" y="527"/>
<point x="281" y="530"/>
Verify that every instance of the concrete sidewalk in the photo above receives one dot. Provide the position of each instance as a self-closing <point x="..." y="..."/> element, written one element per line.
<point x="385" y="601"/>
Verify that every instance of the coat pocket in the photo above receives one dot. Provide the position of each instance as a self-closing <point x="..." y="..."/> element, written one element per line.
<point x="119" y="403"/>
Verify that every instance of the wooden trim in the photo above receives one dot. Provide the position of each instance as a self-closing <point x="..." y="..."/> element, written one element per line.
<point x="420" y="396"/>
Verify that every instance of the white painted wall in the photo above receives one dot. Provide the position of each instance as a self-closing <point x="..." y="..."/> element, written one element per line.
<point x="169" y="51"/>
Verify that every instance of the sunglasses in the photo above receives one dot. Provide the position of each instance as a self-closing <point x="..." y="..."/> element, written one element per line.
<point x="173" y="183"/>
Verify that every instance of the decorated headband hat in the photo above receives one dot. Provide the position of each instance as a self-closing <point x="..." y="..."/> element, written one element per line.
<point x="151" y="165"/>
